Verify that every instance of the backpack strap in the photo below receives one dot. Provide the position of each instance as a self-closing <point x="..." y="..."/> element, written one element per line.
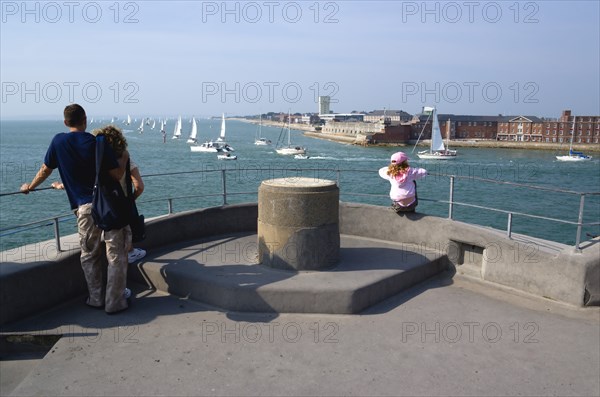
<point x="99" y="155"/>
<point x="128" y="179"/>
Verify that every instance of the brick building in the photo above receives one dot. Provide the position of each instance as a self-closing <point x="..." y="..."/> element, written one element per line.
<point x="587" y="129"/>
<point x="533" y="129"/>
<point x="461" y="127"/>
<point x="520" y="129"/>
<point x="398" y="128"/>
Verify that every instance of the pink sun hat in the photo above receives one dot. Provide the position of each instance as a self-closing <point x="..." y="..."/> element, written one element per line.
<point x="399" y="157"/>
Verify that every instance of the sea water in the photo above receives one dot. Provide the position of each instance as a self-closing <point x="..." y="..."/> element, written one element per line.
<point x="170" y="169"/>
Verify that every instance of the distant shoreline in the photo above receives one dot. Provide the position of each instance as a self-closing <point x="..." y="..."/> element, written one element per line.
<point x="350" y="140"/>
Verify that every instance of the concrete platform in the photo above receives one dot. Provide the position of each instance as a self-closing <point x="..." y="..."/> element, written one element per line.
<point x="223" y="272"/>
<point x="490" y="333"/>
<point x="446" y="336"/>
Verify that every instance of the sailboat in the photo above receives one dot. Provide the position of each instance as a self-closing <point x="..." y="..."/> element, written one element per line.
<point x="260" y="141"/>
<point x="207" y="147"/>
<point x="163" y="125"/>
<point x="437" y="149"/>
<point x="213" y="147"/>
<point x="177" y="130"/>
<point x="141" y="127"/>
<point x="221" y="144"/>
<point x="192" y="138"/>
<point x="128" y="121"/>
<point x="289" y="149"/>
<point x="573" y="155"/>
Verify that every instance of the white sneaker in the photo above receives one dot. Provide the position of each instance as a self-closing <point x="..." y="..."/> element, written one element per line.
<point x="127" y="293"/>
<point x="136" y="254"/>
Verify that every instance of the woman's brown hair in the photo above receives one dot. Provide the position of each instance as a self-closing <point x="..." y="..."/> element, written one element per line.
<point x="114" y="137"/>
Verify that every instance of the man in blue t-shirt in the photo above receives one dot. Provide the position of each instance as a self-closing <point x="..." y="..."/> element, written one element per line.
<point x="74" y="154"/>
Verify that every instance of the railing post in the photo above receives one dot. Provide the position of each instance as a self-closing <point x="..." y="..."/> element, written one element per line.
<point x="451" y="199"/>
<point x="170" y="205"/>
<point x="509" y="226"/>
<point x="57" y="235"/>
<point x="579" y="222"/>
<point x="224" y="187"/>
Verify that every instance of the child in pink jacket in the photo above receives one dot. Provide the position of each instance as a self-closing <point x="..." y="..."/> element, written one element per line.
<point x="402" y="178"/>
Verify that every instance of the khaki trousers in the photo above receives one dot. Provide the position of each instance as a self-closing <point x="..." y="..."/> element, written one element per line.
<point x="117" y="243"/>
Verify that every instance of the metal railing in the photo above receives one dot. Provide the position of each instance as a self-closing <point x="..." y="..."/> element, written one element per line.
<point x="224" y="194"/>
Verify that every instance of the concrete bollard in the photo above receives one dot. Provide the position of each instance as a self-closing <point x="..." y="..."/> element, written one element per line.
<point x="298" y="223"/>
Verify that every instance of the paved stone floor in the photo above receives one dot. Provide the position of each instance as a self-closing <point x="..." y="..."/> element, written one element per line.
<point x="447" y="336"/>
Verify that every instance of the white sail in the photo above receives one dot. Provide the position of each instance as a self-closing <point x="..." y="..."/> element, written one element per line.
<point x="437" y="143"/>
<point x="141" y="127"/>
<point x="128" y="122"/>
<point x="222" y="136"/>
<point x="194" y="129"/>
<point x="194" y="132"/>
<point x="260" y="141"/>
<point x="177" y="130"/>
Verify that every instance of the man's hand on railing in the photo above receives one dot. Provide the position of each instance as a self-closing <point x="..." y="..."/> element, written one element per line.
<point x="43" y="174"/>
<point x="25" y="188"/>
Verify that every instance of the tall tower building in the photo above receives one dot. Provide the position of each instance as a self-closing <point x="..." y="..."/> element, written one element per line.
<point x="324" y="104"/>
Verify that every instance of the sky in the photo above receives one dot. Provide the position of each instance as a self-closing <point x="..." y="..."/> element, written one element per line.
<point x="204" y="58"/>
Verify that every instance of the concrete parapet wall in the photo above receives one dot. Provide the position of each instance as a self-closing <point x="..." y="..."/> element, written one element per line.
<point x="37" y="277"/>
<point x="199" y="223"/>
<point x="536" y="266"/>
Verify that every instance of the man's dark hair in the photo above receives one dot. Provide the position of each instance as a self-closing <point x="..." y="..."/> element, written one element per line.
<point x="74" y="115"/>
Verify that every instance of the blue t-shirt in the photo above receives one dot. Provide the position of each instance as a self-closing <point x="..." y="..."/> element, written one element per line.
<point x="74" y="154"/>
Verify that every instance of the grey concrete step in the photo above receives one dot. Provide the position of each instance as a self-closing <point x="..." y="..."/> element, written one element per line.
<point x="223" y="272"/>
